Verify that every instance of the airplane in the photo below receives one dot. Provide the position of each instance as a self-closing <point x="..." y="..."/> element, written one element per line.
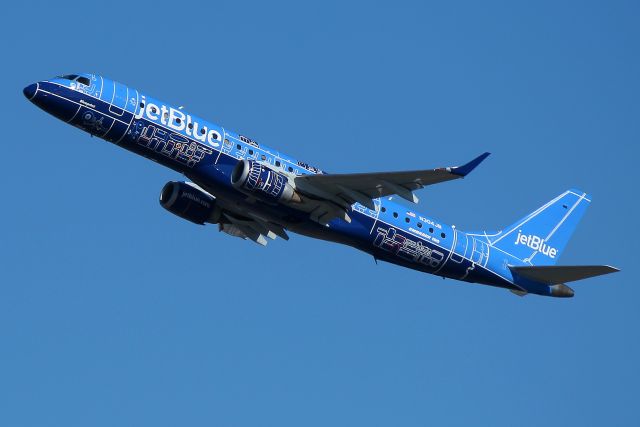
<point x="257" y="193"/>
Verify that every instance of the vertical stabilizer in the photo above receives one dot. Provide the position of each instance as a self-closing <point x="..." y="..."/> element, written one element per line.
<point x="540" y="237"/>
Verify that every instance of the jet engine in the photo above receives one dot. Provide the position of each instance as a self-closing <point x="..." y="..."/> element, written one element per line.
<point x="189" y="202"/>
<point x="257" y="179"/>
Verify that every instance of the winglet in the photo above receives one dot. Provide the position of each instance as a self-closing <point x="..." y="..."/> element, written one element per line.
<point x="466" y="168"/>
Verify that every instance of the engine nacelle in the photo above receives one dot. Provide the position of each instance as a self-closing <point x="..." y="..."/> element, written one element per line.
<point x="189" y="202"/>
<point x="260" y="180"/>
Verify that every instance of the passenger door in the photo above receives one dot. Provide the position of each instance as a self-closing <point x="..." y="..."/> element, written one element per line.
<point x="119" y="99"/>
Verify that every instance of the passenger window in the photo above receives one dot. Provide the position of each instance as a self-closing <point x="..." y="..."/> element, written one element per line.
<point x="278" y="163"/>
<point x="383" y="209"/>
<point x="443" y="235"/>
<point x="395" y="214"/>
<point x="290" y="169"/>
<point x="430" y="229"/>
<point x="406" y="220"/>
<point x="419" y="225"/>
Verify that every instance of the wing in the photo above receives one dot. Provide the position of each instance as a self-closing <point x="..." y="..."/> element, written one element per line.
<point x="346" y="189"/>
<point x="244" y="223"/>
<point x="253" y="228"/>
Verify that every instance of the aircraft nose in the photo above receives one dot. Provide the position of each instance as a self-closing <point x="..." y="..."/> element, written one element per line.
<point x="30" y="91"/>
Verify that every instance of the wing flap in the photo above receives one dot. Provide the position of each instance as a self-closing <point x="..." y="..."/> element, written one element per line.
<point x="256" y="229"/>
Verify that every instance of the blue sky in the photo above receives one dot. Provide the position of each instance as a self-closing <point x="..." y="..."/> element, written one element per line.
<point x="115" y="312"/>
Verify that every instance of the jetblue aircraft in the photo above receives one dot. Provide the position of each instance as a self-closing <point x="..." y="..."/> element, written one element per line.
<point x="255" y="192"/>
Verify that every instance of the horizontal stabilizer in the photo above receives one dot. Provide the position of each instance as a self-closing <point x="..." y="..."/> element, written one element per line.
<point x="556" y="274"/>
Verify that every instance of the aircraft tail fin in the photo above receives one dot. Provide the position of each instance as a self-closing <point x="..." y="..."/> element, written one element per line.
<point x="540" y="237"/>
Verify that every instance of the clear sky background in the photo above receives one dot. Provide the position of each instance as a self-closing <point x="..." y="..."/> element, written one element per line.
<point x="113" y="312"/>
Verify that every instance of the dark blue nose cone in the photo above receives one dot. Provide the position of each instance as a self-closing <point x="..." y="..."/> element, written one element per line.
<point x="30" y="91"/>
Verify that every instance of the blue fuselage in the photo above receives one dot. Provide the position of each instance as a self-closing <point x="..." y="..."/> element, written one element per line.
<point x="207" y="153"/>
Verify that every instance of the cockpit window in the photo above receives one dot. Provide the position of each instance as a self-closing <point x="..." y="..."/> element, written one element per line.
<point x="83" y="80"/>
<point x="69" y="76"/>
